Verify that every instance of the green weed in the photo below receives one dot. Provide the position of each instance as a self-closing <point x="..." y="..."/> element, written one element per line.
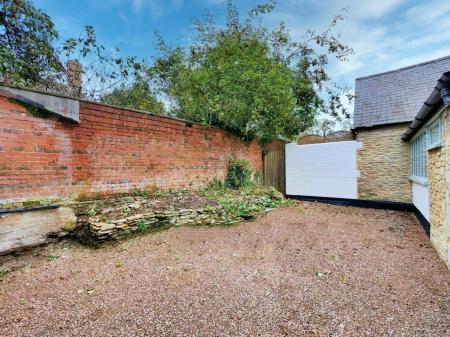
<point x="93" y="211"/>
<point x="142" y="226"/>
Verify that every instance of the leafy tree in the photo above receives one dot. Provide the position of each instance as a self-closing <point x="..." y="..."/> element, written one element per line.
<point x="27" y="37"/>
<point x="137" y="95"/>
<point x="255" y="82"/>
<point x="346" y="124"/>
<point x="32" y="54"/>
<point x="324" y="126"/>
<point x="103" y="72"/>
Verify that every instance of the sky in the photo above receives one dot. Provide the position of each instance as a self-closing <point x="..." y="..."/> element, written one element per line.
<point x="385" y="34"/>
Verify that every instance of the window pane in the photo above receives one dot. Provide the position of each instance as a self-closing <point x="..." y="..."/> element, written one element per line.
<point x="434" y="134"/>
<point x="419" y="156"/>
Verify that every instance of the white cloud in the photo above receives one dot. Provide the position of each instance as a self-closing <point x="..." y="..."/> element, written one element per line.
<point x="157" y="8"/>
<point x="430" y="12"/>
<point x="385" y="34"/>
<point x="123" y="17"/>
<point x="373" y="9"/>
<point x="137" y="4"/>
<point x="360" y="9"/>
<point x="215" y="2"/>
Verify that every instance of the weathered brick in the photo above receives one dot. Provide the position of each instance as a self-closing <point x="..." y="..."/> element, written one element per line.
<point x="111" y="150"/>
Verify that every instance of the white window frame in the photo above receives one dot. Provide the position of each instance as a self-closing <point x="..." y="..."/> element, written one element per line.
<point x="419" y="151"/>
<point x="438" y="143"/>
<point x="419" y="158"/>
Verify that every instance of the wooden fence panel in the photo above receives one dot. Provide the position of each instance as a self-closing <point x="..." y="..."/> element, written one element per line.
<point x="274" y="166"/>
<point x="336" y="136"/>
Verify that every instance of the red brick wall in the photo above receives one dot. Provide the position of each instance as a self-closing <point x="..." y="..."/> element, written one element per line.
<point x="110" y="151"/>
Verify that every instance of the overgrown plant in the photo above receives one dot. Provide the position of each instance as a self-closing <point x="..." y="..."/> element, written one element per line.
<point x="27" y="38"/>
<point x="137" y="95"/>
<point x="246" y="202"/>
<point x="249" y="205"/>
<point x="242" y="195"/>
<point x="257" y="82"/>
<point x="239" y="173"/>
<point x="32" y="54"/>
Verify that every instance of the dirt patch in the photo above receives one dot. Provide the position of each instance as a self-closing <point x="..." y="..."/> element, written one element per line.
<point x="308" y="270"/>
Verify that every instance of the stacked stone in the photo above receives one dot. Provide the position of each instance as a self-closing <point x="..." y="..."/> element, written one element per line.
<point x="115" y="229"/>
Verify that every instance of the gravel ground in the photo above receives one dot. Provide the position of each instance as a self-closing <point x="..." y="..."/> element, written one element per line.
<point x="307" y="270"/>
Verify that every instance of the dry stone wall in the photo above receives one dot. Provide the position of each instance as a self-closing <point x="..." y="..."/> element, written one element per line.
<point x="159" y="219"/>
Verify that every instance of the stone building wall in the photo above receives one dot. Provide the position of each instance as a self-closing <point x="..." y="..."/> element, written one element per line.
<point x="438" y="186"/>
<point x="383" y="162"/>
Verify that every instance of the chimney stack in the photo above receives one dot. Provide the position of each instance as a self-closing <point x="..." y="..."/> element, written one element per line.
<point x="74" y="77"/>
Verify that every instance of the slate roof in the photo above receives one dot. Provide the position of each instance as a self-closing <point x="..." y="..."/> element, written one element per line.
<point x="395" y="96"/>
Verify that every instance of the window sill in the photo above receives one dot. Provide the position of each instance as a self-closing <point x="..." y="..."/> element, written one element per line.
<point x="419" y="180"/>
<point x="434" y="146"/>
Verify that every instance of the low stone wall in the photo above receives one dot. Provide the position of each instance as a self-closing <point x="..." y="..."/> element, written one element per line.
<point x="159" y="219"/>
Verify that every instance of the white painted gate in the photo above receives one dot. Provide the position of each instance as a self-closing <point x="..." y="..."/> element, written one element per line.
<point x="322" y="170"/>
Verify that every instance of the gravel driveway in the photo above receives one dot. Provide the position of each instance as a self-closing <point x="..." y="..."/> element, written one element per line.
<point x="307" y="270"/>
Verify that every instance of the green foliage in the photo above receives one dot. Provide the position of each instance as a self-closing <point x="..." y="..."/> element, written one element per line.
<point x="3" y="275"/>
<point x="32" y="54"/>
<point x="255" y="82"/>
<point x="142" y="226"/>
<point x="148" y="193"/>
<point x="102" y="71"/>
<point x="52" y="257"/>
<point x="137" y="95"/>
<point x="324" y="126"/>
<point x="93" y="211"/>
<point x="215" y="184"/>
<point x="240" y="196"/>
<point x="239" y="173"/>
<point x="27" y="36"/>
<point x="249" y="201"/>
<point x="258" y="178"/>
<point x="140" y="193"/>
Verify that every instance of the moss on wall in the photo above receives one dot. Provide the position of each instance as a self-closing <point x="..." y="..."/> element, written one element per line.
<point x="31" y="109"/>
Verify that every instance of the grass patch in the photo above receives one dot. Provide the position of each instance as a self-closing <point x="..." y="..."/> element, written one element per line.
<point x="3" y="275"/>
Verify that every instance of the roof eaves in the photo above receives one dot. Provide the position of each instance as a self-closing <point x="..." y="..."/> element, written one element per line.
<point x="429" y="107"/>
